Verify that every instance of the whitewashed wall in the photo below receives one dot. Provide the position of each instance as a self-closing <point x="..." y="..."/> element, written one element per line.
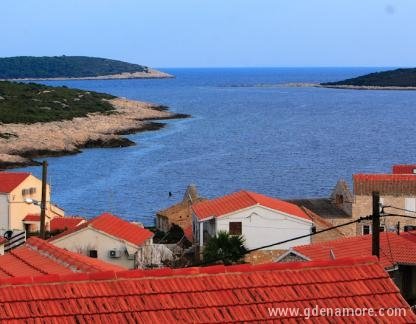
<point x="262" y="226"/>
<point x="88" y="239"/>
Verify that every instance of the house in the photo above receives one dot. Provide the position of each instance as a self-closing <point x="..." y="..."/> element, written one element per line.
<point x="18" y="191"/>
<point x="65" y="223"/>
<point x="335" y="209"/>
<point x="397" y="255"/>
<point x="316" y="292"/>
<point x="38" y="258"/>
<point x="180" y="213"/>
<point x="261" y="220"/>
<point x="397" y="189"/>
<point x="114" y="240"/>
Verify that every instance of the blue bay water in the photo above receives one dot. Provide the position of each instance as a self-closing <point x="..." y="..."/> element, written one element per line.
<point x="245" y="133"/>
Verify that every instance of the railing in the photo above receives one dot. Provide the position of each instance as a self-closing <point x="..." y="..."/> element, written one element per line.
<point x="16" y="239"/>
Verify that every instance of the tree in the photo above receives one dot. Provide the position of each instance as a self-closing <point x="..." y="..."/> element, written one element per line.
<point x="224" y="247"/>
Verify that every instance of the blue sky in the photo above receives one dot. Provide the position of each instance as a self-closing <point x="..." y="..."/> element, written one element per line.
<point x="215" y="33"/>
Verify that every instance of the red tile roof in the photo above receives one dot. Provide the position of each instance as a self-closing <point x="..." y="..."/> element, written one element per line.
<point x="241" y="200"/>
<point x="10" y="180"/>
<point x="394" y="249"/>
<point x="32" y="218"/>
<point x="386" y="184"/>
<point x="114" y="226"/>
<point x="65" y="223"/>
<point x="37" y="257"/>
<point x="212" y="294"/>
<point x="404" y="169"/>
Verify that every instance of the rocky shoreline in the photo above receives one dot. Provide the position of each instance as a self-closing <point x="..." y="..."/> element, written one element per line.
<point x="26" y="142"/>
<point x="151" y="74"/>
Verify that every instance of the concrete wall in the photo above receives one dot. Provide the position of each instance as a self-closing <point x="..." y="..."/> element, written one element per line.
<point x="4" y="212"/>
<point x="88" y="239"/>
<point x="262" y="226"/>
<point x="18" y="208"/>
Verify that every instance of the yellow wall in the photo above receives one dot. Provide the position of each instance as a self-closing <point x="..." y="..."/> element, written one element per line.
<point x="18" y="208"/>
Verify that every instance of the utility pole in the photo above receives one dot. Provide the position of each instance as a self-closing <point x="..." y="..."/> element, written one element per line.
<point x="376" y="224"/>
<point x="43" y="201"/>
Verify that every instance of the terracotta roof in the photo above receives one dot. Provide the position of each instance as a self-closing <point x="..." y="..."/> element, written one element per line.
<point x="212" y="294"/>
<point x="37" y="257"/>
<point x="394" y="249"/>
<point x="65" y="223"/>
<point x="404" y="169"/>
<point x="386" y="184"/>
<point x="31" y="218"/>
<point x="243" y="199"/>
<point x="10" y="180"/>
<point x="113" y="226"/>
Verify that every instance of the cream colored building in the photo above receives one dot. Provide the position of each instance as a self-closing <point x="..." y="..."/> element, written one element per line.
<point x="114" y="240"/>
<point x="19" y="194"/>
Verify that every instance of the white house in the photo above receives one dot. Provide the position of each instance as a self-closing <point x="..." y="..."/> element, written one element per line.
<point x="114" y="240"/>
<point x="261" y="220"/>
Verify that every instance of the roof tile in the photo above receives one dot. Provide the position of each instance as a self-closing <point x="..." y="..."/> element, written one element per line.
<point x="394" y="249"/>
<point x="114" y="226"/>
<point x="10" y="180"/>
<point x="38" y="258"/>
<point x="243" y="199"/>
<point x="232" y="294"/>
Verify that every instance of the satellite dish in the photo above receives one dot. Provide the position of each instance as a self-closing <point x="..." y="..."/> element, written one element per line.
<point x="8" y="235"/>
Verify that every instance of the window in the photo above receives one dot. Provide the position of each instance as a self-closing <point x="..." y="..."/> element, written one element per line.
<point x="382" y="229"/>
<point x="25" y="192"/>
<point x="410" y="204"/>
<point x="93" y="254"/>
<point x="235" y="228"/>
<point x="366" y="229"/>
<point x="339" y="199"/>
<point x="32" y="190"/>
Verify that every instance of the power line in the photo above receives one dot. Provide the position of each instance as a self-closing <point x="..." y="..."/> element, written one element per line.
<point x="358" y="220"/>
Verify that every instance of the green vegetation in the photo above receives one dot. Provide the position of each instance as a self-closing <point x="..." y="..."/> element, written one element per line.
<point x="31" y="103"/>
<point x="392" y="78"/>
<point x="24" y="67"/>
<point x="224" y="247"/>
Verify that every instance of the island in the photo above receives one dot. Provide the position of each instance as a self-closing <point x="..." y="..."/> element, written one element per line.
<point x="72" y="67"/>
<point x="399" y="79"/>
<point x="38" y="120"/>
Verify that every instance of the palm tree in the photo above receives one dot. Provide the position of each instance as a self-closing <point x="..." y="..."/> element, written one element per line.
<point x="224" y="247"/>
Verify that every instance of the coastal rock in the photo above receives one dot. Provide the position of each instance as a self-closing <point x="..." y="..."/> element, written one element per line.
<point x="71" y="136"/>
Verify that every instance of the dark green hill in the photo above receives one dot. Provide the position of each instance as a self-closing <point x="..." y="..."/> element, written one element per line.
<point x="30" y="103"/>
<point x="392" y="78"/>
<point x="21" y="67"/>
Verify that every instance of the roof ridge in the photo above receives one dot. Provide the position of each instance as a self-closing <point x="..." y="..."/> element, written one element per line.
<point x="192" y="271"/>
<point x="71" y="256"/>
<point x="250" y="194"/>
<point x="13" y="252"/>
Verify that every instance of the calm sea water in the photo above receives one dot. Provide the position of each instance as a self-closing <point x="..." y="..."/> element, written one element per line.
<point x="245" y="133"/>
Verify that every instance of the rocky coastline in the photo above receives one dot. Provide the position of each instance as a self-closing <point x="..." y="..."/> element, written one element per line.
<point x="23" y="143"/>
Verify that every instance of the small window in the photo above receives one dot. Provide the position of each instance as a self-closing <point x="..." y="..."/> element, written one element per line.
<point x="339" y="199"/>
<point x="366" y="229"/>
<point x="235" y="228"/>
<point x="93" y="254"/>
<point x="32" y="190"/>
<point x="25" y="192"/>
<point x="382" y="229"/>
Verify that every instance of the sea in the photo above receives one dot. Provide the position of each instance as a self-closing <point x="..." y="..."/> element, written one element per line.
<point x="250" y="129"/>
